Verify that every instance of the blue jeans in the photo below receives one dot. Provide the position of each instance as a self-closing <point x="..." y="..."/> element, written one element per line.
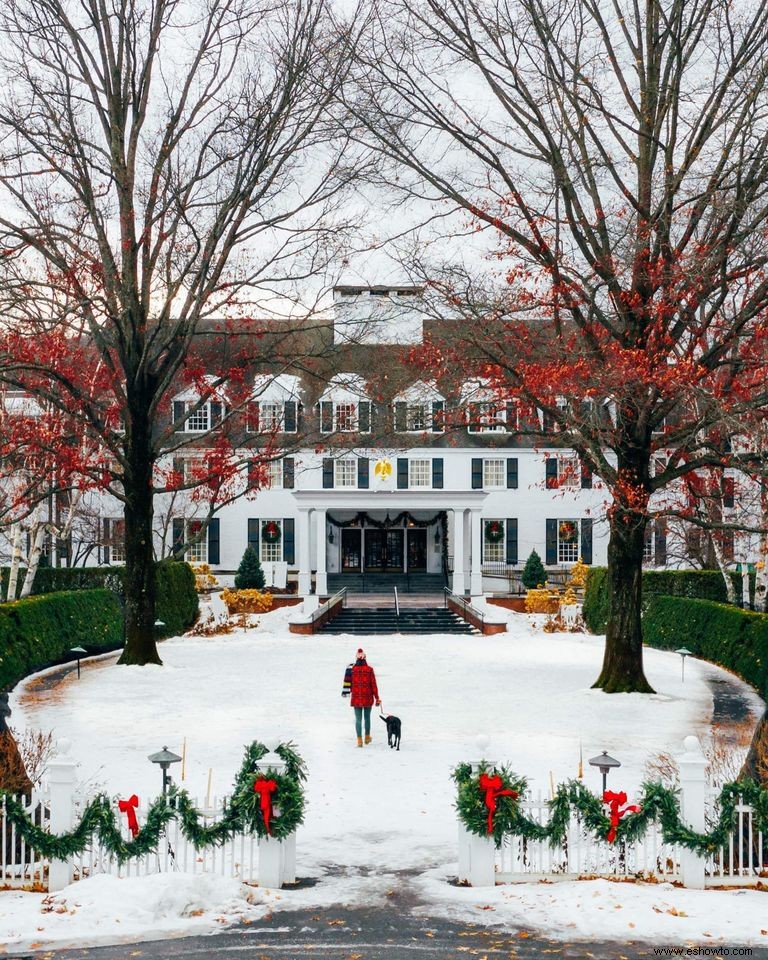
<point x="359" y="711"/>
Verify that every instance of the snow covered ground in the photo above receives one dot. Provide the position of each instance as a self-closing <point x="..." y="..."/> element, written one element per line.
<point x="375" y="808"/>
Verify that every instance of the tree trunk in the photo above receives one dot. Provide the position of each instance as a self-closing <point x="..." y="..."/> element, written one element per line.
<point x="623" y="661"/>
<point x="33" y="561"/>
<point x="139" y="584"/>
<point x="730" y="589"/>
<point x="746" y="600"/>
<point x="756" y="762"/>
<point x="13" y="573"/>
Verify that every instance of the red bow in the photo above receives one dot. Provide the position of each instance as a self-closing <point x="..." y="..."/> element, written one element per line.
<point x="616" y="801"/>
<point x="129" y="807"/>
<point x="492" y="789"/>
<point x="265" y="788"/>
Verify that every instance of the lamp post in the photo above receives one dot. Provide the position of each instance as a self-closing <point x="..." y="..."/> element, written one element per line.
<point x="683" y="654"/>
<point x="605" y="764"/>
<point x="159" y="624"/>
<point x="164" y="758"/>
<point x="78" y="652"/>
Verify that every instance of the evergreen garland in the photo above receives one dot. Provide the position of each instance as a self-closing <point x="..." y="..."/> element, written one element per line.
<point x="99" y="817"/>
<point x="656" y="802"/>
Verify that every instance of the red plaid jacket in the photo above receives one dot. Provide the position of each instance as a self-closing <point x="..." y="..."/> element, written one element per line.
<point x="363" y="686"/>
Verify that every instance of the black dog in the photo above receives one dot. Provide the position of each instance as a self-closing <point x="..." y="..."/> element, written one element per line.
<point x="393" y="729"/>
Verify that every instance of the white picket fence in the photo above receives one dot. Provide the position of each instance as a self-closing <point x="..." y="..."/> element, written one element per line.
<point x="20" y="865"/>
<point x="742" y="862"/>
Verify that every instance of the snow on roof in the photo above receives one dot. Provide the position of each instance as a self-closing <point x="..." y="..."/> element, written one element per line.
<point x="422" y="391"/>
<point x="284" y="386"/>
<point x="346" y="386"/>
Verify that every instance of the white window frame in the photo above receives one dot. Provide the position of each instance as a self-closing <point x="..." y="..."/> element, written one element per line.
<point x="274" y="477"/>
<point x="195" y="552"/>
<point x="425" y="416"/>
<point x="649" y="545"/>
<point x="501" y="480"/>
<point x="420" y="473"/>
<point x="565" y="549"/>
<point x="354" y="416"/>
<point x="117" y="540"/>
<point x="491" y="412"/>
<point x="345" y="468"/>
<point x="201" y="415"/>
<point x="568" y="471"/>
<point x="275" y="422"/>
<point x="271" y="552"/>
<point x="494" y="552"/>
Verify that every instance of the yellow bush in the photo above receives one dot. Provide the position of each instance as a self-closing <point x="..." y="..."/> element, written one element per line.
<point x="542" y="600"/>
<point x="579" y="573"/>
<point x="247" y="601"/>
<point x="569" y="597"/>
<point x="204" y="578"/>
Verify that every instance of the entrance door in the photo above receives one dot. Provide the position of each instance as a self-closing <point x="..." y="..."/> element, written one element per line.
<point x="384" y="550"/>
<point x="417" y="550"/>
<point x="350" y="551"/>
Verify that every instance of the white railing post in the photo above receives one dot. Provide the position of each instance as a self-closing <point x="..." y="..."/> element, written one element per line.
<point x="61" y="781"/>
<point x="271" y="851"/>
<point x="464" y="855"/>
<point x="692" y="799"/>
<point x="289" y="858"/>
<point x="477" y="855"/>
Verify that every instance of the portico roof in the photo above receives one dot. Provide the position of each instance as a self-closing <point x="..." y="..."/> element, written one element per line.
<point x="354" y="499"/>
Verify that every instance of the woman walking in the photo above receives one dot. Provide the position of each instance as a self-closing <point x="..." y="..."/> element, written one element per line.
<point x="361" y="682"/>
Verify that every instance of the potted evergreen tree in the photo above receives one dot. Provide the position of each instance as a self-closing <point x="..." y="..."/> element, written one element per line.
<point x="534" y="573"/>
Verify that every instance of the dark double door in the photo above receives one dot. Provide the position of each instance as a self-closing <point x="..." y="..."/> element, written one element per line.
<point x="383" y="551"/>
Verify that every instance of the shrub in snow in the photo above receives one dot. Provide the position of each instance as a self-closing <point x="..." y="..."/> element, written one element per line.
<point x="249" y="575"/>
<point x="534" y="573"/>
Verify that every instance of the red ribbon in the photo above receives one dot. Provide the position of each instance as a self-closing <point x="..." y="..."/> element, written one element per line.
<point x="491" y="786"/>
<point x="129" y="807"/>
<point x="616" y="802"/>
<point x="265" y="788"/>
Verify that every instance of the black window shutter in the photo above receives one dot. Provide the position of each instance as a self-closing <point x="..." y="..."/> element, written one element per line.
<point x="437" y="473"/>
<point x="289" y="472"/>
<point x="438" y="416"/>
<point x="216" y="412"/>
<point x="551" y="543"/>
<point x="511" y="416"/>
<point x="253" y="534"/>
<point x="289" y="540"/>
<point x="178" y="413"/>
<point x="364" y="416"/>
<point x="729" y="491"/>
<point x="401" y="417"/>
<point x="477" y="473"/>
<point x="213" y="540"/>
<point x="512" y="474"/>
<point x="327" y="473"/>
<point x="105" y="548"/>
<point x="660" y="543"/>
<point x="551" y="473"/>
<point x="289" y="417"/>
<point x="326" y="417"/>
<point x="363" y="473"/>
<point x="586" y="475"/>
<point x="252" y="417"/>
<point x="474" y="412"/>
<point x="512" y="540"/>
<point x="177" y="536"/>
<point x="402" y="473"/>
<point x="586" y="541"/>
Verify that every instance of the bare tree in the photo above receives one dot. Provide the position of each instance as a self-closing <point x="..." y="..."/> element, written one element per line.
<point x="164" y="167"/>
<point x="615" y="159"/>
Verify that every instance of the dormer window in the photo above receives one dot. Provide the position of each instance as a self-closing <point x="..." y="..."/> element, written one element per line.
<point x="487" y="411"/>
<point x="486" y="417"/>
<point x="419" y="409"/>
<point x="275" y="407"/>
<point x="343" y="408"/>
<point x="200" y="417"/>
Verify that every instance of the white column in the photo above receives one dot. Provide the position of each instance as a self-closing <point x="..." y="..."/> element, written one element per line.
<point x="692" y="800"/>
<point x="476" y="576"/>
<point x="305" y="574"/>
<point x="61" y="780"/>
<point x="458" y="552"/>
<point x="321" y="576"/>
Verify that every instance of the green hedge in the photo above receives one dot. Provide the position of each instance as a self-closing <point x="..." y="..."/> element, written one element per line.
<point x="695" y="584"/>
<point x="176" y="595"/>
<point x="729" y="636"/>
<point x="39" y="631"/>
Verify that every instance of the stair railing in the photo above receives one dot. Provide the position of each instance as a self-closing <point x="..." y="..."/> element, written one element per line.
<point x="465" y="606"/>
<point x="338" y="599"/>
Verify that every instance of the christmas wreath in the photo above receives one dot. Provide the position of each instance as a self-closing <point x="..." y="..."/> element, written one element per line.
<point x="271" y="531"/>
<point x="494" y="531"/>
<point x="244" y="813"/>
<point x="567" y="531"/>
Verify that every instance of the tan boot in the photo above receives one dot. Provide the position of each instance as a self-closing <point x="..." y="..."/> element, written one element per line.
<point x="359" y="741"/>
<point x="367" y="739"/>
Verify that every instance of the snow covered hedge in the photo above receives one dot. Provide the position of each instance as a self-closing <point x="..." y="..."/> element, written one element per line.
<point x="729" y="636"/>
<point x="694" y="584"/>
<point x="42" y="630"/>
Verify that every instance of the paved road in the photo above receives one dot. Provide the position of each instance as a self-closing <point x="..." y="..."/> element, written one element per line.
<point x="361" y="934"/>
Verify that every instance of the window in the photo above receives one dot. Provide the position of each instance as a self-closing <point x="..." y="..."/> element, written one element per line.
<point x="494" y="473"/>
<point x="345" y="472"/>
<point x="271" y="417"/>
<point x="345" y="417"/>
<point x="649" y="546"/>
<point x="568" y="471"/>
<point x="567" y="541"/>
<point x="271" y="541"/>
<point x="117" y="540"/>
<point x="419" y="473"/>
<point x="486" y="417"/>
<point x="200" y="420"/>
<point x="197" y="551"/>
<point x="273" y="479"/>
<point x="417" y="417"/>
<point x="494" y="548"/>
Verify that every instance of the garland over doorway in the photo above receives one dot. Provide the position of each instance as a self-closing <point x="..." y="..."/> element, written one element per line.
<point x="403" y="519"/>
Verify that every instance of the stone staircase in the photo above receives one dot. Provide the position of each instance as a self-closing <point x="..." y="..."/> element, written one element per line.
<point x="376" y="621"/>
<point x="386" y="582"/>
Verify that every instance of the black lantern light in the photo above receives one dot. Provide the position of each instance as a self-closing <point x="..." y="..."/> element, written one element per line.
<point x="605" y="763"/>
<point x="164" y="758"/>
<point x="78" y="652"/>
